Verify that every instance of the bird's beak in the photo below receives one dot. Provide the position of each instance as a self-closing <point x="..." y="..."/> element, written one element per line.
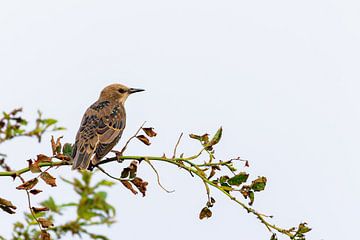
<point x="134" y="90"/>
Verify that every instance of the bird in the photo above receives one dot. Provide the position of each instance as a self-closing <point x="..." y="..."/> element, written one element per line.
<point x="101" y="126"/>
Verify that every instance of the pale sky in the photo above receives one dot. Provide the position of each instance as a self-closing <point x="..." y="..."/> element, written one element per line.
<point x="281" y="77"/>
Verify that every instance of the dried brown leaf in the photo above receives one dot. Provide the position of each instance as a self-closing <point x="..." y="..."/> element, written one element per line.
<point x="35" y="191"/>
<point x="205" y="213"/>
<point x="7" y="206"/>
<point x="63" y="157"/>
<point x="43" y="158"/>
<point x="150" y="132"/>
<point x="45" y="223"/>
<point x="28" y="185"/>
<point x="56" y="146"/>
<point x="40" y="209"/>
<point x="48" y="179"/>
<point x="143" y="139"/>
<point x="128" y="185"/>
<point x="140" y="185"/>
<point x="45" y="235"/>
<point x="34" y="167"/>
<point x="130" y="171"/>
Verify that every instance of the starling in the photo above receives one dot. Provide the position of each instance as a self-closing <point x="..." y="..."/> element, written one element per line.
<point x="101" y="126"/>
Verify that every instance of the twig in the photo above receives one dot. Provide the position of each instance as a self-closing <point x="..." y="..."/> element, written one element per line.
<point x="29" y="204"/>
<point x="110" y="176"/>
<point x="207" y="191"/>
<point x="179" y="162"/>
<point x="177" y="144"/>
<point x="131" y="138"/>
<point x="158" y="177"/>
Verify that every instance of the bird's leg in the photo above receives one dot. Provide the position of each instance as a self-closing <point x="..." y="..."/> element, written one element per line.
<point x="90" y="167"/>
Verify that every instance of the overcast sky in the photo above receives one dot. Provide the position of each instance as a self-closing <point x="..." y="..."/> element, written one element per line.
<point x="281" y="77"/>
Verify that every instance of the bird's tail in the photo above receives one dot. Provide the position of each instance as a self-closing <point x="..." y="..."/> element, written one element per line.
<point x="81" y="160"/>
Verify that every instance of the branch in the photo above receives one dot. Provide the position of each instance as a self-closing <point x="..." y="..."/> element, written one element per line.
<point x="193" y="168"/>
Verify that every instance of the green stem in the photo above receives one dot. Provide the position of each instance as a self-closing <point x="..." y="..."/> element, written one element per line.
<point x="191" y="167"/>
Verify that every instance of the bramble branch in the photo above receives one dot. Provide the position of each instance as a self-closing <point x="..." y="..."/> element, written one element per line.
<point x="211" y="172"/>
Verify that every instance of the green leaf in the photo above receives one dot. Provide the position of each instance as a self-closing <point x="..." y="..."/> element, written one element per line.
<point x="101" y="195"/>
<point x="259" y="184"/>
<point x="223" y="179"/>
<point x="238" y="179"/>
<point x="251" y="197"/>
<point x="49" y="121"/>
<point x="216" y="138"/>
<point x="23" y="122"/>
<point x="59" y="128"/>
<point x="67" y="149"/>
<point x="86" y="177"/>
<point x="104" y="183"/>
<point x="6" y="116"/>
<point x="50" y="203"/>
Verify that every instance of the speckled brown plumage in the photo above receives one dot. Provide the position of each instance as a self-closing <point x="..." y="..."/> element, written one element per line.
<point x="101" y="126"/>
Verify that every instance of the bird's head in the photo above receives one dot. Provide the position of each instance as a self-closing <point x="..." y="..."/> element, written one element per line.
<point x="118" y="92"/>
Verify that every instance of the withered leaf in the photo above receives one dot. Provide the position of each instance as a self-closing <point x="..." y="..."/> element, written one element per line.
<point x="34" y="167"/>
<point x="28" y="185"/>
<point x="143" y="139"/>
<point x="56" y="146"/>
<point x="140" y="185"/>
<point x="245" y="191"/>
<point x="274" y="237"/>
<point x="302" y="229"/>
<point x="130" y="171"/>
<point x="48" y="179"/>
<point x="213" y="171"/>
<point x="45" y="235"/>
<point x="150" y="132"/>
<point x="259" y="184"/>
<point x="43" y="158"/>
<point x="39" y="209"/>
<point x="7" y="206"/>
<point x="205" y="213"/>
<point x="45" y="223"/>
<point x="128" y="185"/>
<point x="247" y="163"/>
<point x="35" y="191"/>
<point x="204" y="139"/>
<point x="63" y="157"/>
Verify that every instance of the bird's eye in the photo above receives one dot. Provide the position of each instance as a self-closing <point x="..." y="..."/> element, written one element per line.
<point x="121" y="90"/>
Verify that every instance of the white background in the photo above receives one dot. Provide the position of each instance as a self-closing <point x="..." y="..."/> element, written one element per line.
<point x="281" y="77"/>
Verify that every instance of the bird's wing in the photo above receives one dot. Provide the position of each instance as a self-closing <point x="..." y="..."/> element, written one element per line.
<point x="100" y="130"/>
<point x="86" y="140"/>
<point x="111" y="126"/>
